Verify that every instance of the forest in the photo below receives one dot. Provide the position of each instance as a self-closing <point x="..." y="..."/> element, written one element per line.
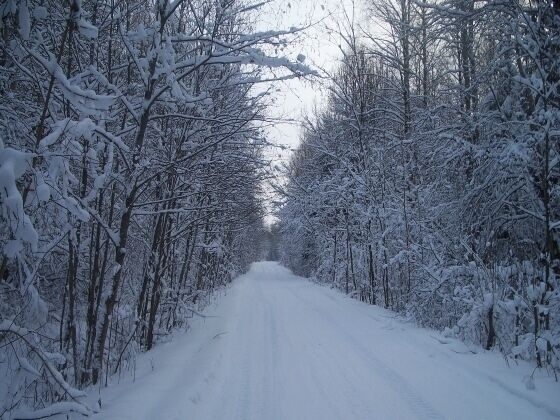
<point x="430" y="183"/>
<point x="131" y="161"/>
<point x="134" y="162"/>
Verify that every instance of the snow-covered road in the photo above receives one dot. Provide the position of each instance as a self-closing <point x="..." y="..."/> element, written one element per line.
<point x="279" y="347"/>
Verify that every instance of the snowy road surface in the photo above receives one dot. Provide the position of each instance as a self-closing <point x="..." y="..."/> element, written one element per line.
<point x="279" y="347"/>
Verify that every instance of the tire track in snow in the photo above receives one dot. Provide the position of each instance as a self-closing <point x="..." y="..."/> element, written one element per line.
<point x="335" y="377"/>
<point x="303" y="345"/>
<point x="420" y="406"/>
<point x="272" y="357"/>
<point x="244" y="349"/>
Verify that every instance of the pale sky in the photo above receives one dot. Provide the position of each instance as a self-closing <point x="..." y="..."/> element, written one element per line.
<point x="320" y="44"/>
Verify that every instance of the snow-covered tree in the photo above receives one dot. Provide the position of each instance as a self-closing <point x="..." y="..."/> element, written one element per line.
<point x="429" y="182"/>
<point x="131" y="161"/>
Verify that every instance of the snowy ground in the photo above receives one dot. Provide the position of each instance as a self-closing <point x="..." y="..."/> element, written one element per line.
<point x="279" y="347"/>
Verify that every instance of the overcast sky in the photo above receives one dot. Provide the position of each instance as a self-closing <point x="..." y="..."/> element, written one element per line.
<point x="320" y="44"/>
